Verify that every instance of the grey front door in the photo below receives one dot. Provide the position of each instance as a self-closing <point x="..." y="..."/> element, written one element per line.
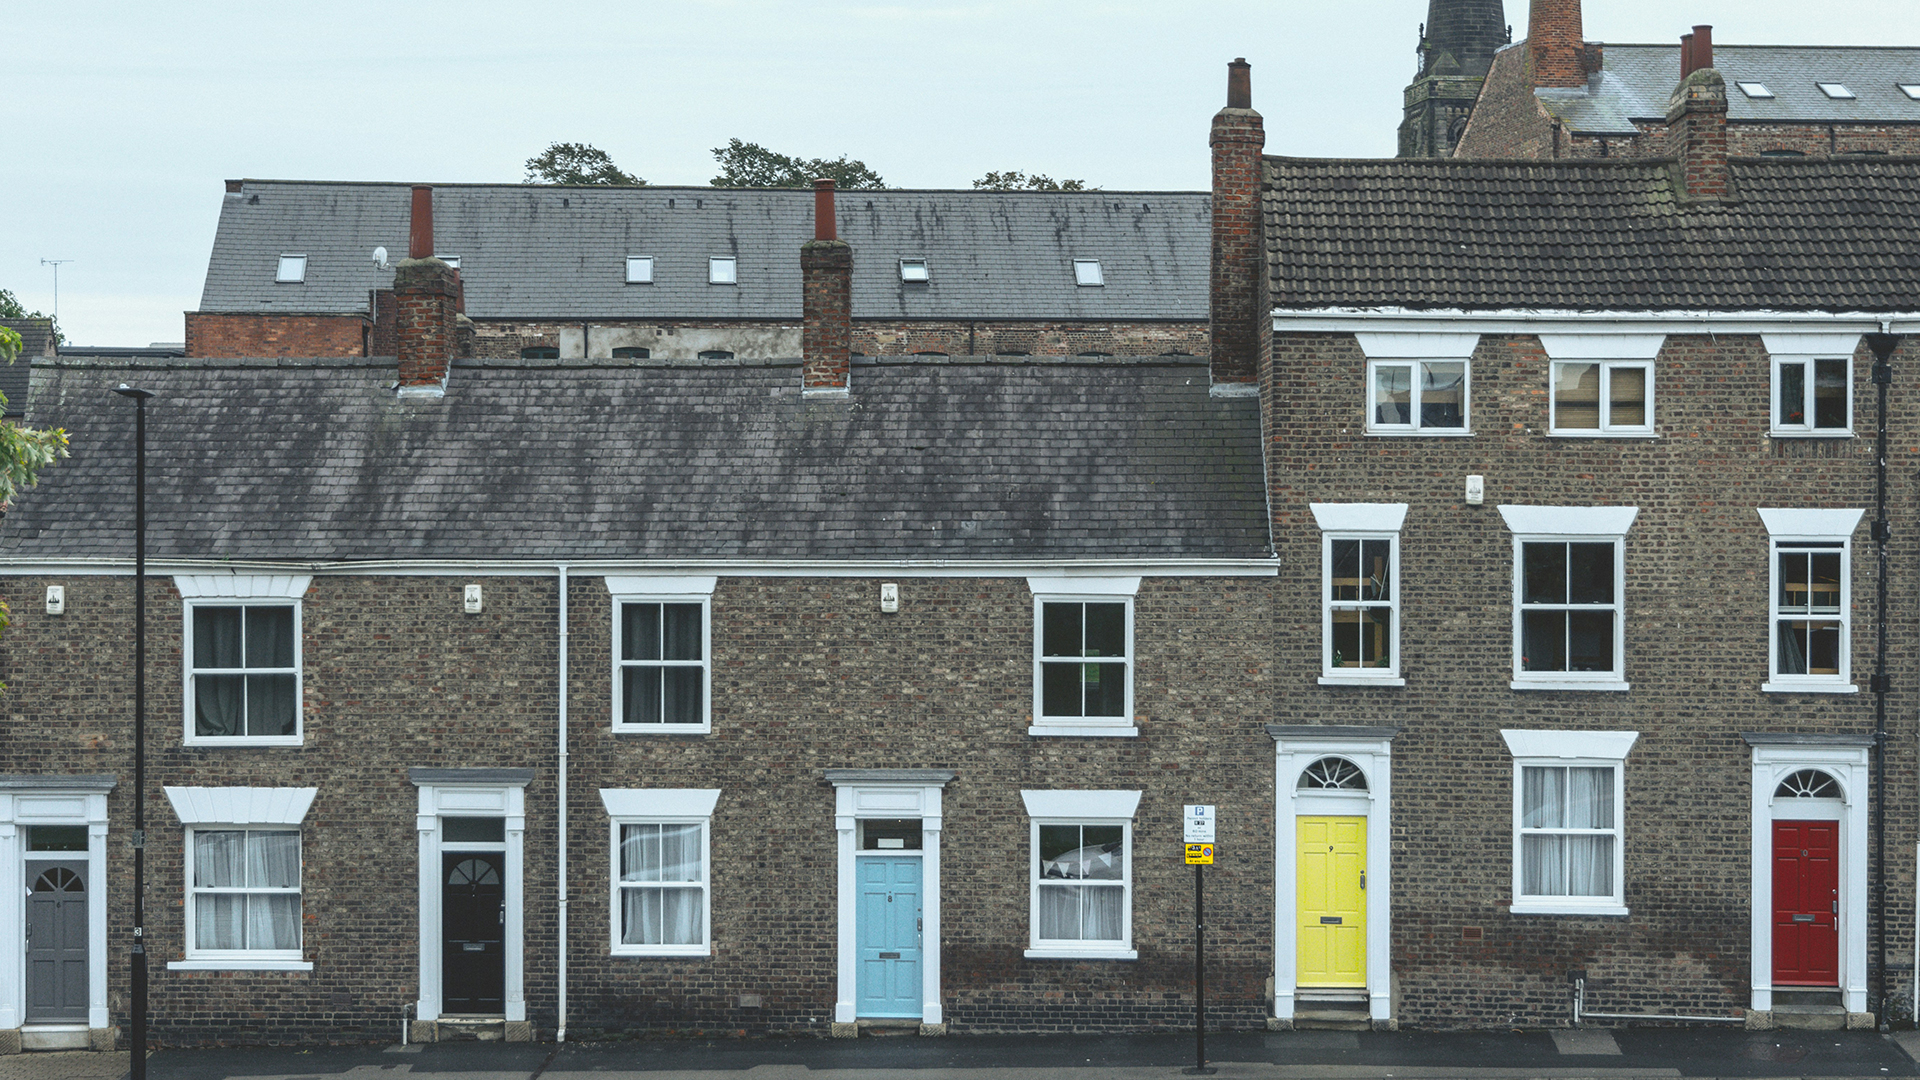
<point x="56" y="942"/>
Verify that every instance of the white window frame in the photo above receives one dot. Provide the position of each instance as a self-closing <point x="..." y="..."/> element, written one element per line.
<point x="1577" y="525"/>
<point x="639" y="269"/>
<point x="233" y="809"/>
<point x="723" y="270"/>
<point x="915" y="271"/>
<point x="1087" y="274"/>
<point x="1359" y="521"/>
<point x="242" y="590"/>
<point x="1606" y="425"/>
<point x="1793" y="529"/>
<point x="690" y="589"/>
<point x="660" y="806"/>
<point x="1808" y="350"/>
<point x="1414" y="426"/>
<point x="291" y="270"/>
<point x="1580" y="750"/>
<point x="1081" y="590"/>
<point x="1099" y="808"/>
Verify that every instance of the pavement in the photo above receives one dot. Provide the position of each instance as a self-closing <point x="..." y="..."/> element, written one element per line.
<point x="1596" y="1053"/>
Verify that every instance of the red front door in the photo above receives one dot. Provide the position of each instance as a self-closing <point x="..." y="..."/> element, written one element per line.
<point x="1806" y="894"/>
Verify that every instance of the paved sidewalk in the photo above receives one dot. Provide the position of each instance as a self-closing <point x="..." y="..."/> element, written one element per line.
<point x="1598" y="1053"/>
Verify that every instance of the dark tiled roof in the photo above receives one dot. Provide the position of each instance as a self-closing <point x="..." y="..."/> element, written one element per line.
<point x="36" y="340"/>
<point x="559" y="252"/>
<point x="1806" y="234"/>
<point x="1640" y="79"/>
<point x="962" y="460"/>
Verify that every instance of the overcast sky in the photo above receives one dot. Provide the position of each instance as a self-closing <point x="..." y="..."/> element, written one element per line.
<point x="123" y="118"/>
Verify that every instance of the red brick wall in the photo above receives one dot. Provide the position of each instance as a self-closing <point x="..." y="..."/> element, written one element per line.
<point x="1239" y="255"/>
<point x="230" y="334"/>
<point x="826" y="287"/>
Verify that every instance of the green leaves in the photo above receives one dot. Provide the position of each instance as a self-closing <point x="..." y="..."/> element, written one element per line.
<point x="577" y="163"/>
<point x="1015" y="180"/>
<point x="745" y="164"/>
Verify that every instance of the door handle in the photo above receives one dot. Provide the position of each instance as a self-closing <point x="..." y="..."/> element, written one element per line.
<point x="1363" y="880"/>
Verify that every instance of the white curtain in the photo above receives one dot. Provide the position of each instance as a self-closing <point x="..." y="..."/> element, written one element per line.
<point x="1081" y="912"/>
<point x="660" y="874"/>
<point x="241" y="861"/>
<point x="1567" y="863"/>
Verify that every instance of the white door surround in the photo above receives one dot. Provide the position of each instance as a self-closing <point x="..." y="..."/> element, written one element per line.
<point x="51" y="800"/>
<point x="1370" y="750"/>
<point x="1846" y="759"/>
<point x="500" y="793"/>
<point x="888" y="793"/>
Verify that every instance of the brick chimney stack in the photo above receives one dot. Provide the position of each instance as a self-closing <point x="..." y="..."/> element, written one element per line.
<point x="1239" y="259"/>
<point x="1556" y="55"/>
<point x="826" y="299"/>
<point x="1697" y="132"/>
<point x="426" y="294"/>
<point x="1696" y="50"/>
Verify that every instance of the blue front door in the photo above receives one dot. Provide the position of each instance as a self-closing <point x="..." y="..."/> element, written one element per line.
<point x="887" y="935"/>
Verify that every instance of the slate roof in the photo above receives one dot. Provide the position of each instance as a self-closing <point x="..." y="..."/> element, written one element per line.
<point x="976" y="460"/>
<point x="1806" y="234"/>
<point x="36" y="340"/>
<point x="560" y="252"/>
<point x="1637" y="80"/>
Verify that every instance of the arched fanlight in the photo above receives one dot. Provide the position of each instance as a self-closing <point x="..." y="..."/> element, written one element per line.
<point x="1334" y="773"/>
<point x="1808" y="784"/>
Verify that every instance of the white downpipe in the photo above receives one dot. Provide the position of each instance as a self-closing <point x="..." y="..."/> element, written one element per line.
<point x="560" y="1032"/>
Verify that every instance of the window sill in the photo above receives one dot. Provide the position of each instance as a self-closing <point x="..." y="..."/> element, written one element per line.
<point x="1551" y="434"/>
<point x="1441" y="433"/>
<point x="239" y="965"/>
<point x="243" y="740"/>
<point x="669" y="953"/>
<point x="1082" y="954"/>
<point x="1810" y="434"/>
<point x="662" y="729"/>
<point x="1615" y="685"/>
<point x="1115" y="731"/>
<point x="1564" y="909"/>
<point x="1809" y="688"/>
<point x="1361" y="680"/>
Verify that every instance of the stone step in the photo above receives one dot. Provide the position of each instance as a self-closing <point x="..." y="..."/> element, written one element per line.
<point x="1810" y="1017"/>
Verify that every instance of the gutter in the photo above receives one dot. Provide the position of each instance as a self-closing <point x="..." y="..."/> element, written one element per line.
<point x="560" y="1032"/>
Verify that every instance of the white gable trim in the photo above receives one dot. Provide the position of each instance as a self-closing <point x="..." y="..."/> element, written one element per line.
<point x="1357" y="320"/>
<point x="241" y="805"/>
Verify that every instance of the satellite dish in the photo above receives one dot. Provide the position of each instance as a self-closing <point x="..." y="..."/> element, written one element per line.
<point x="380" y="257"/>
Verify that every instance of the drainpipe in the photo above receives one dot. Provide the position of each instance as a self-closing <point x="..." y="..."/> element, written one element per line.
<point x="1882" y="345"/>
<point x="560" y="1030"/>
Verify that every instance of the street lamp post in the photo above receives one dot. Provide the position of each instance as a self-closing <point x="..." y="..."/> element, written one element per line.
<point x="139" y="957"/>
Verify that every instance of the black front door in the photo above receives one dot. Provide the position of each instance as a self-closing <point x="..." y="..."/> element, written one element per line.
<point x="56" y="942"/>
<point x="473" y="921"/>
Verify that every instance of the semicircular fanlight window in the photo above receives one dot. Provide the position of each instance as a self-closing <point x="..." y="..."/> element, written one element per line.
<point x="473" y="872"/>
<point x="1334" y="773"/>
<point x="59" y="879"/>
<point x="1808" y="784"/>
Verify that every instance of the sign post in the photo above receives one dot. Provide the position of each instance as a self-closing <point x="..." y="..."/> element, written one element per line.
<point x="1198" y="837"/>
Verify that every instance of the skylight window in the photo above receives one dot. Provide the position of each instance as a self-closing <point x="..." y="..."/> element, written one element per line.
<point x="1755" y="89"/>
<point x="723" y="270"/>
<point x="293" y="268"/>
<point x="1835" y="90"/>
<point x="1087" y="272"/>
<point x="639" y="269"/>
<point x="913" y="270"/>
<point x="450" y="260"/>
<point x="1912" y="90"/>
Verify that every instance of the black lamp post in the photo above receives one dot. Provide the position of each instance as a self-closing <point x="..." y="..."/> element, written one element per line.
<point x="139" y="958"/>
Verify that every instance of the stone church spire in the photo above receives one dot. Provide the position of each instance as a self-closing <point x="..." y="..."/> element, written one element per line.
<point x="1457" y="43"/>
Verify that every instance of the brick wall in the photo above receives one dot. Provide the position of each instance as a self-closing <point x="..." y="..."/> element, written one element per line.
<point x="232" y="334"/>
<point x="1507" y="121"/>
<point x="808" y="675"/>
<point x="1697" y="580"/>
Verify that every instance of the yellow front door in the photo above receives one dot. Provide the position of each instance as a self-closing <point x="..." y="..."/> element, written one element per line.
<point x="1331" y="903"/>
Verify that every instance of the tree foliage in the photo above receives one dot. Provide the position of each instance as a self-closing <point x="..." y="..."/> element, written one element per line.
<point x="577" y="163"/>
<point x="745" y="164"/>
<point x="1015" y="180"/>
<point x="10" y="308"/>
<point x="23" y="451"/>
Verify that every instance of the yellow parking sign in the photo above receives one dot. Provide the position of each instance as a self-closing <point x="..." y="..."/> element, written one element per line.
<point x="1199" y="854"/>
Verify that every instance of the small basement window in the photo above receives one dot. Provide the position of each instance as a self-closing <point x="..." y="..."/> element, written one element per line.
<point x="1086" y="272"/>
<point x="1755" y="89"/>
<point x="540" y="352"/>
<point x="723" y="270"/>
<point x="632" y="352"/>
<point x="1836" y="90"/>
<point x="293" y="268"/>
<point x="639" y="269"/>
<point x="1912" y="90"/>
<point x="914" y="270"/>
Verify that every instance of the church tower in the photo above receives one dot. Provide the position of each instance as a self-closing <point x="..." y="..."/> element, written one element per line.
<point x="1457" y="43"/>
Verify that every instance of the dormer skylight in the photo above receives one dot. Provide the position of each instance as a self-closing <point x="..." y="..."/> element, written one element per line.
<point x="639" y="269"/>
<point x="723" y="270"/>
<point x="914" y="270"/>
<point x="1837" y="91"/>
<point x="1912" y="90"/>
<point x="450" y="260"/>
<point x="1086" y="272"/>
<point x="1755" y="89"/>
<point x="293" y="268"/>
